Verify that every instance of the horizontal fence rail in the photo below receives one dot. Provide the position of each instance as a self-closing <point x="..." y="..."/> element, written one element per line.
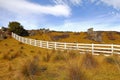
<point x="95" y="49"/>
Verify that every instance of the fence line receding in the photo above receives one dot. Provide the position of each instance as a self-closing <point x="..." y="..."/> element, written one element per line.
<point x="93" y="48"/>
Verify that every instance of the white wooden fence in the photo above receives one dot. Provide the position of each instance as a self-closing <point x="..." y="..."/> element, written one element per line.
<point x="93" y="48"/>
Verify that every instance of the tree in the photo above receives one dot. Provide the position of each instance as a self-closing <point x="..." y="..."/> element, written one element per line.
<point x="17" y="28"/>
<point x="3" y="28"/>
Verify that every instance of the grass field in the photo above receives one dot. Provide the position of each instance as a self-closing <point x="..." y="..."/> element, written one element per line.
<point x="20" y="61"/>
<point x="108" y="37"/>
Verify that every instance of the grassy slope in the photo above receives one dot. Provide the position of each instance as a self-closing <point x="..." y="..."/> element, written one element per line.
<point x="58" y="65"/>
<point x="79" y="37"/>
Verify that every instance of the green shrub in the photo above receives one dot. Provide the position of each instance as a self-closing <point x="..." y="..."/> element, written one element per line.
<point x="17" y="28"/>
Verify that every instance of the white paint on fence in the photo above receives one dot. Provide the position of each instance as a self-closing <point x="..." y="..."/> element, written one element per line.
<point x="93" y="48"/>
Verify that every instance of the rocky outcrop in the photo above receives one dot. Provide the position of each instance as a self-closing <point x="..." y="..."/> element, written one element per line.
<point x="94" y="35"/>
<point x="4" y="33"/>
<point x="45" y="30"/>
<point x="31" y="33"/>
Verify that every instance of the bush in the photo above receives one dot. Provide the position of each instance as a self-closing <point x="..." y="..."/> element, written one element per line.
<point x="29" y="68"/>
<point x="57" y="37"/>
<point x="17" y="28"/>
<point x="22" y="47"/>
<point x="11" y="55"/>
<point x="110" y="60"/>
<point x="32" y="51"/>
<point x="58" y="56"/>
<point x="20" y="43"/>
<point x="89" y="61"/>
<point x="11" y="50"/>
<point x="8" y="56"/>
<point x="6" y="44"/>
<point x="76" y="33"/>
<point x="47" y="57"/>
<point x="111" y="36"/>
<point x="75" y="72"/>
<point x="73" y="54"/>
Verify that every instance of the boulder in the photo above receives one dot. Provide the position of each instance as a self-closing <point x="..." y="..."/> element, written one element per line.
<point x="94" y="35"/>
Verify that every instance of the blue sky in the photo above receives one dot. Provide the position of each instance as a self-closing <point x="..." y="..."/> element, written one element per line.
<point x="62" y="15"/>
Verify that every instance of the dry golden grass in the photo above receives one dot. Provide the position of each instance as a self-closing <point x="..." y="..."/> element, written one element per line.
<point x="107" y="37"/>
<point x="20" y="61"/>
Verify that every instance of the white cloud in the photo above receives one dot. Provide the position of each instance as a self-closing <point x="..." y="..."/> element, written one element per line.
<point x="83" y="26"/>
<point x="114" y="3"/>
<point x="26" y="7"/>
<point x="67" y="2"/>
<point x="29" y="14"/>
<point x="100" y="23"/>
<point x="76" y="2"/>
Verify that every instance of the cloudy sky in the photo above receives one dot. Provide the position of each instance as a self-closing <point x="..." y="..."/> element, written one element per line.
<point x="62" y="15"/>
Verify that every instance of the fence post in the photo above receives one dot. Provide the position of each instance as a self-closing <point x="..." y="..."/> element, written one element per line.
<point x="112" y="49"/>
<point x="12" y="34"/>
<point x="47" y="44"/>
<point x="40" y="43"/>
<point x="22" y="39"/>
<point x="30" y="41"/>
<point x="35" y="42"/>
<point x="77" y="46"/>
<point x="19" y="38"/>
<point x="16" y="37"/>
<point x="92" y="49"/>
<point x="26" y="40"/>
<point x="64" y="45"/>
<point x="55" y="46"/>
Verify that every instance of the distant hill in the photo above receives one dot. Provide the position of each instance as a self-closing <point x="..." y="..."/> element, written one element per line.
<point x="26" y="62"/>
<point x="104" y="37"/>
<point x="111" y="37"/>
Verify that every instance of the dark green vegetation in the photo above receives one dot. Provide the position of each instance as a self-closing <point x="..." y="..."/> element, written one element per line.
<point x="17" y="28"/>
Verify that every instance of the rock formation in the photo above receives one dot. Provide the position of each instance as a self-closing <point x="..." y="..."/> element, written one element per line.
<point x="94" y="35"/>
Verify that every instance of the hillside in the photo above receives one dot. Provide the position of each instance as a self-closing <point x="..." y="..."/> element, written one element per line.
<point x="108" y="37"/>
<point x="20" y="61"/>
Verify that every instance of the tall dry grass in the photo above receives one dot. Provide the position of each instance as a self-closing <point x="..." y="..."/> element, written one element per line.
<point x="75" y="71"/>
<point x="28" y="69"/>
<point x="89" y="61"/>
